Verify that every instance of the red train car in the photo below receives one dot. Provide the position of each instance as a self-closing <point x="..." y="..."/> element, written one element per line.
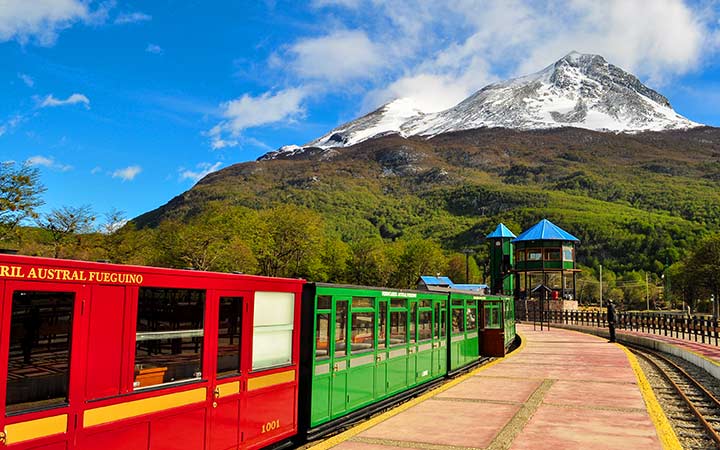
<point x="102" y="356"/>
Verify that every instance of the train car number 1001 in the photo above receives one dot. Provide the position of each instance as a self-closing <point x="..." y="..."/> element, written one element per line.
<point x="270" y="426"/>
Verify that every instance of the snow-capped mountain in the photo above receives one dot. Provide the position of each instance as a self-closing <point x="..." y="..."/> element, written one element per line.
<point x="579" y="90"/>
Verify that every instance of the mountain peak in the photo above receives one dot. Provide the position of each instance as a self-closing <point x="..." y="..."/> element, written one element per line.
<point x="579" y="90"/>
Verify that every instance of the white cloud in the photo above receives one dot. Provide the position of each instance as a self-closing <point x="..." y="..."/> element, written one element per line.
<point x="11" y="123"/>
<point x="337" y="57"/>
<point x="133" y="17"/>
<point x="352" y="4"/>
<point x="51" y="101"/>
<point x="48" y="162"/>
<point x="95" y="170"/>
<point x="196" y="175"/>
<point x="439" y="52"/>
<point x="248" y="112"/>
<point x="655" y="40"/>
<point x="27" y="79"/>
<point x="154" y="49"/>
<point x="42" y="20"/>
<point x="128" y="173"/>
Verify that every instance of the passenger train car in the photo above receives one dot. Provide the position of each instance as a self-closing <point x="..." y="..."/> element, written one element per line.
<point x="103" y="356"/>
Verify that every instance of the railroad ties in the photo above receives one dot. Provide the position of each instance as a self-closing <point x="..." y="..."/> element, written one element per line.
<point x="692" y="408"/>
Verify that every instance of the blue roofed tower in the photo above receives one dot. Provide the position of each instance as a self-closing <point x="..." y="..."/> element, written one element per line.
<point x="545" y="255"/>
<point x="502" y="280"/>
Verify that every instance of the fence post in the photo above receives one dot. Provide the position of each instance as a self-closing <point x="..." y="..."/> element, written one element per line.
<point x="683" y="320"/>
<point x="642" y="322"/>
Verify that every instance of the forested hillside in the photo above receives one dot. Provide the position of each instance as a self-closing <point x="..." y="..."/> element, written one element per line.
<point x="390" y="208"/>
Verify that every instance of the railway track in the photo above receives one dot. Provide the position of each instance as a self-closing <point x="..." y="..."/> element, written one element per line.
<point x="693" y="409"/>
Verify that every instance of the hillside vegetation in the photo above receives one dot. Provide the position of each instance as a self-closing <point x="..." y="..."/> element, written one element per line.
<point x="635" y="201"/>
<point x="389" y="209"/>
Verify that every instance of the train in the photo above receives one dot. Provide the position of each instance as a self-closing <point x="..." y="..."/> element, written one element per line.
<point x="108" y="356"/>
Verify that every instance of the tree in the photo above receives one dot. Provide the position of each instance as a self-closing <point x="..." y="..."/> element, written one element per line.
<point x="702" y="267"/>
<point x="413" y="258"/>
<point x="20" y="190"/>
<point x="368" y="263"/>
<point x="66" y="224"/>
<point x="288" y="241"/>
<point x="213" y="240"/>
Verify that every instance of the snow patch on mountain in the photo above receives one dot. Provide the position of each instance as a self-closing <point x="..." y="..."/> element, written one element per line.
<point x="579" y="90"/>
<point x="389" y="118"/>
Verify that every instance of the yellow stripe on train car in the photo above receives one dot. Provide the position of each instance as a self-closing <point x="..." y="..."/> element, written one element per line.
<point x="271" y="380"/>
<point x="33" y="429"/>
<point x="112" y="413"/>
<point x="228" y="389"/>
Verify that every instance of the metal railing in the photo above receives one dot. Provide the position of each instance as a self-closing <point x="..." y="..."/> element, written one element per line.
<point x="698" y="329"/>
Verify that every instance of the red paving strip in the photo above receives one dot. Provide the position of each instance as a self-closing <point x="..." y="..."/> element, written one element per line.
<point x="706" y="350"/>
<point x="564" y="390"/>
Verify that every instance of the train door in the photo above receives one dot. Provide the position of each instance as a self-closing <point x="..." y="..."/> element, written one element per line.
<point x="381" y="372"/>
<point x="397" y="378"/>
<point x="473" y="335"/>
<point x="229" y="377"/>
<point x="412" y="362"/>
<point x="440" y="355"/>
<point x="361" y="370"/>
<point x="339" y="357"/>
<point x="39" y="374"/>
<point x="426" y="343"/>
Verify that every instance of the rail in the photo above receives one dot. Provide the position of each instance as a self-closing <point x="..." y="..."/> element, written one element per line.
<point x="696" y="329"/>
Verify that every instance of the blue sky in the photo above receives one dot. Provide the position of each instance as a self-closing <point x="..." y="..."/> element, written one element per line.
<point x="123" y="105"/>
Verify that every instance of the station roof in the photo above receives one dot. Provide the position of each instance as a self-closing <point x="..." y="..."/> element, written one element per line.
<point x="545" y="231"/>
<point x="436" y="281"/>
<point x="500" y="232"/>
<point x="446" y="282"/>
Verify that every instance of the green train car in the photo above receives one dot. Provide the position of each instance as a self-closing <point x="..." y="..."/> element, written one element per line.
<point x="365" y="346"/>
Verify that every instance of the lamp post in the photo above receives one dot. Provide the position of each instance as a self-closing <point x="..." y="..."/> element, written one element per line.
<point x="714" y="307"/>
<point x="468" y="252"/>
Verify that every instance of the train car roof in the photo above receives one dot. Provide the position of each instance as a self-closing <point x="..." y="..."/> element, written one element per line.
<point x="6" y="258"/>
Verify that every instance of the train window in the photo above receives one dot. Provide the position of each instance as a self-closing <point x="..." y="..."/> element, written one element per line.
<point x="273" y="323"/>
<point x="413" y="322"/>
<point x="382" y="325"/>
<point x="362" y="332"/>
<point x="322" y="337"/>
<point x="398" y="327"/>
<point x="457" y="302"/>
<point x="39" y="357"/>
<point x="534" y="254"/>
<point x="471" y="316"/>
<point x="520" y="255"/>
<point x="398" y="303"/>
<point x="229" y="326"/>
<point x="324" y="302"/>
<point x="341" y="319"/>
<point x="169" y="336"/>
<point x="567" y="253"/>
<point x="458" y="321"/>
<point x="443" y="322"/>
<point x="552" y="254"/>
<point x="438" y="320"/>
<point x="362" y="302"/>
<point x="492" y="316"/>
<point x="425" y="326"/>
<point x="425" y="303"/>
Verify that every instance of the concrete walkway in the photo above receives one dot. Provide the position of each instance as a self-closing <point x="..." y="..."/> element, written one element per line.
<point x="561" y="390"/>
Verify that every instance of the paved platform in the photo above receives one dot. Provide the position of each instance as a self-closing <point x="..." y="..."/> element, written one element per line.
<point x="705" y="355"/>
<point x="561" y="390"/>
